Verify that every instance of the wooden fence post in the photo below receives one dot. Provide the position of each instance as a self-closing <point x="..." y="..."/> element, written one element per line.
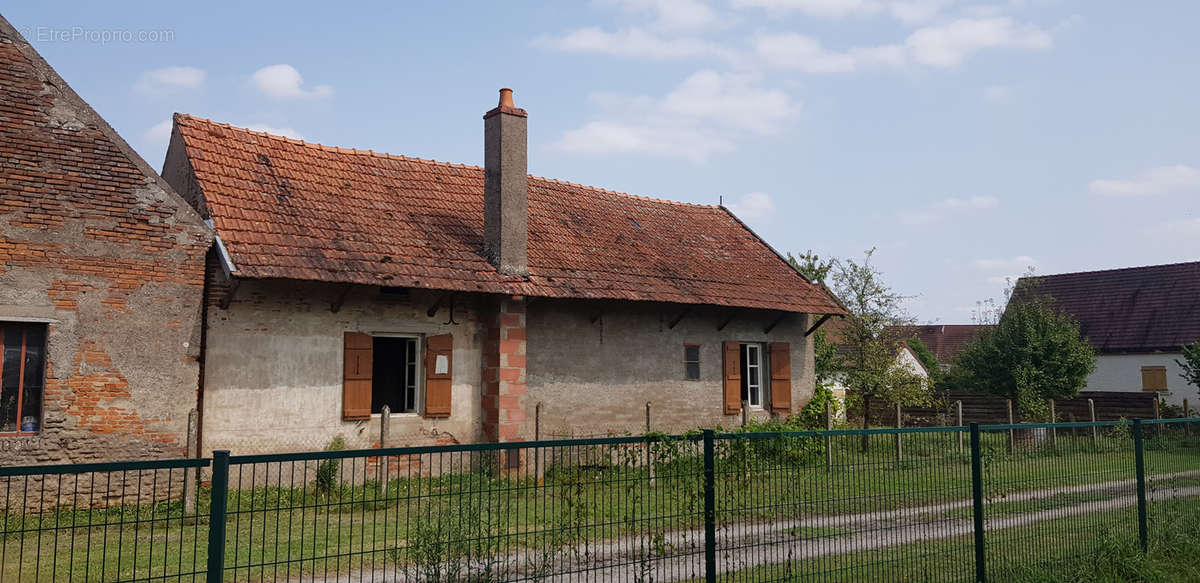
<point x="1012" y="438"/>
<point x="899" y="437"/>
<point x="1187" y="414"/>
<point x="958" y="405"/>
<point x="385" y="422"/>
<point x="1095" y="430"/>
<point x="828" y="439"/>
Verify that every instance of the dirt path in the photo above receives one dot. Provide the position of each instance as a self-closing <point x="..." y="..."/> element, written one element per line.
<point x="679" y="555"/>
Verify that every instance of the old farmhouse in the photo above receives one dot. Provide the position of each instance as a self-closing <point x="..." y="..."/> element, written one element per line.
<point x="101" y="277"/>
<point x="475" y="303"/>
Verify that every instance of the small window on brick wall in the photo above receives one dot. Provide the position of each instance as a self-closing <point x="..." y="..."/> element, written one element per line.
<point x="691" y="362"/>
<point x="22" y="376"/>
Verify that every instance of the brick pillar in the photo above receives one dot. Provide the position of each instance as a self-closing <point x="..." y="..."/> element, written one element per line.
<point x="504" y="372"/>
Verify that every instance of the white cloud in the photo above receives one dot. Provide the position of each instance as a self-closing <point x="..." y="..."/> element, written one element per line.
<point x="939" y="46"/>
<point x="998" y="94"/>
<point x="169" y="79"/>
<point x="276" y="131"/>
<point x="703" y="116"/>
<point x="632" y="42"/>
<point x="948" y="208"/>
<point x="908" y="11"/>
<point x="672" y="15"/>
<point x="161" y="132"/>
<point x="753" y="206"/>
<point x="284" y="82"/>
<point x="948" y="45"/>
<point x="1153" y="181"/>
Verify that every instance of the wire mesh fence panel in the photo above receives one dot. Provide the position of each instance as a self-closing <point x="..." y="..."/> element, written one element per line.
<point x="110" y="522"/>
<point x="601" y="509"/>
<point x="1172" y="460"/>
<point x="1056" y="492"/>
<point x="878" y="505"/>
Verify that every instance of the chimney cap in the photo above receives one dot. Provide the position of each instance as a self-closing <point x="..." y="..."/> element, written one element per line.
<point x="506" y="105"/>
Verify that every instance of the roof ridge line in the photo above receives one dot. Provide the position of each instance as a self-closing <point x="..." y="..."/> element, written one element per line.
<point x="1111" y="269"/>
<point x="404" y="158"/>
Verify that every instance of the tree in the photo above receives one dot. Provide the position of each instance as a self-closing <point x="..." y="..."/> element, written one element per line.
<point x="816" y="270"/>
<point x="1034" y="353"/>
<point x="811" y="266"/>
<point x="869" y="340"/>
<point x="1190" y="364"/>
<point x="928" y="360"/>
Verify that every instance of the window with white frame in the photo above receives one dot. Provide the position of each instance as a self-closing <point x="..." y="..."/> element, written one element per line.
<point x="754" y="382"/>
<point x="395" y="378"/>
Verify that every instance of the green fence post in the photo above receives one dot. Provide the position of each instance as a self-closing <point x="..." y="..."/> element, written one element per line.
<point x="977" y="495"/>
<point x="710" y="510"/>
<point x="1140" y="463"/>
<point x="216" y="517"/>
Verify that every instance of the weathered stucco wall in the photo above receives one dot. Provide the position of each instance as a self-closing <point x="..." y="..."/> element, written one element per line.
<point x="274" y="365"/>
<point x="96" y="246"/>
<point x="1123" y="372"/>
<point x="596" y="377"/>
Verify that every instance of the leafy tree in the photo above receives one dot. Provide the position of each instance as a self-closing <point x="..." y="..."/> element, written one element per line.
<point x="928" y="360"/>
<point x="811" y="266"/>
<point x="816" y="270"/>
<point x="1034" y="353"/>
<point x="1190" y="364"/>
<point x="869" y="341"/>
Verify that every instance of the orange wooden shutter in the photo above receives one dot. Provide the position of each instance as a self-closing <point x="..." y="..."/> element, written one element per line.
<point x="733" y="378"/>
<point x="781" y="377"/>
<point x="356" y="380"/>
<point x="439" y="350"/>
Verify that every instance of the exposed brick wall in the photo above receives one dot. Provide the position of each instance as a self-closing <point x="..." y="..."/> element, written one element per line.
<point x="97" y="246"/>
<point x="504" y="372"/>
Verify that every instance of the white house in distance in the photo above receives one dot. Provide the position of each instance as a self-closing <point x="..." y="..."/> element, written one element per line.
<point x="1137" y="319"/>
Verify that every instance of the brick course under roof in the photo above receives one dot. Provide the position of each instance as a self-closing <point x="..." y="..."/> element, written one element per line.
<point x="294" y="210"/>
<point x="1137" y="309"/>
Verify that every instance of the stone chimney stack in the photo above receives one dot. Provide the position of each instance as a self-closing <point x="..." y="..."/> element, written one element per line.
<point x="506" y="189"/>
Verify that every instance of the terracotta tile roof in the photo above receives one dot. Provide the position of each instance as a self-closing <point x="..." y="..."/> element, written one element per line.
<point x="289" y="209"/>
<point x="945" y="341"/>
<point x="1136" y="309"/>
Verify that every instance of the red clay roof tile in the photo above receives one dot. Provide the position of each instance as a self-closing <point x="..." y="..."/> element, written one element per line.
<point x="288" y="209"/>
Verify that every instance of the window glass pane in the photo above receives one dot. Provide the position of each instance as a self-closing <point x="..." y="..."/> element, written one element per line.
<point x="691" y="353"/>
<point x="10" y="368"/>
<point x="31" y="401"/>
<point x="693" y="371"/>
<point x="393" y="374"/>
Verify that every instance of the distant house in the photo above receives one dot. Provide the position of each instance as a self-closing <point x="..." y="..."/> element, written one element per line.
<point x="1136" y="318"/>
<point x="101" y="279"/>
<point x="477" y="304"/>
<point x="945" y="341"/>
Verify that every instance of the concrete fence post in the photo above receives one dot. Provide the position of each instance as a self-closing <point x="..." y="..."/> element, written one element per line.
<point x="191" y="476"/>
<point x="649" y="456"/>
<point x="1092" y="416"/>
<point x="745" y="412"/>
<point x="899" y="437"/>
<point x="537" y="435"/>
<point x="828" y="439"/>
<point x="958" y="411"/>
<point x="1053" y="430"/>
<point x="1012" y="437"/>
<point x="385" y="422"/>
<point x="1187" y="414"/>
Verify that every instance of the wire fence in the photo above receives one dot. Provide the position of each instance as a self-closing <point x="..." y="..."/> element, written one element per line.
<point x="930" y="504"/>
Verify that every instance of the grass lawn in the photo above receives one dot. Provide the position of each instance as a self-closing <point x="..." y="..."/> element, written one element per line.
<point x="278" y="531"/>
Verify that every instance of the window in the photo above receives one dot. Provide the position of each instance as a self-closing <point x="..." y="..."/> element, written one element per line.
<point x="753" y="384"/>
<point x="1154" y="378"/>
<point x="394" y="375"/>
<point x="691" y="362"/>
<point x="22" y="370"/>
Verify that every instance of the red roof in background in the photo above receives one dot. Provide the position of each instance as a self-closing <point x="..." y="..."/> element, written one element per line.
<point x="294" y="210"/>
<point x="946" y="340"/>
<point x="1136" y="309"/>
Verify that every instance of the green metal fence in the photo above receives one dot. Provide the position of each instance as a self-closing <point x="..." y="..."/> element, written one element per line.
<point x="929" y="504"/>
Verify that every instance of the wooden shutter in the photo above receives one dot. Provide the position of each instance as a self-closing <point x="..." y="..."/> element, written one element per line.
<point x="1154" y="378"/>
<point x="437" y="382"/>
<point x="356" y="379"/>
<point x="781" y="377"/>
<point x="733" y="378"/>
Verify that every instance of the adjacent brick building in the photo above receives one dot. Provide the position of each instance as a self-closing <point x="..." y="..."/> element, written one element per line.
<point x="101" y="279"/>
<point x="476" y="303"/>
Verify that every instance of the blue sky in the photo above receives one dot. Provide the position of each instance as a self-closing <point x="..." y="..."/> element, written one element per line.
<point x="965" y="140"/>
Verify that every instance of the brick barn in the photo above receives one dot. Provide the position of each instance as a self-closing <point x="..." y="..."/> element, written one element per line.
<point x="101" y="280"/>
<point x="475" y="303"/>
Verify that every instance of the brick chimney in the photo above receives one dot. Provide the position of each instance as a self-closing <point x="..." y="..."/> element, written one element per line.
<point x="505" y="194"/>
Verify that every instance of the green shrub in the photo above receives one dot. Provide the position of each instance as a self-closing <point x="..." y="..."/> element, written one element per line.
<point x="327" y="470"/>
